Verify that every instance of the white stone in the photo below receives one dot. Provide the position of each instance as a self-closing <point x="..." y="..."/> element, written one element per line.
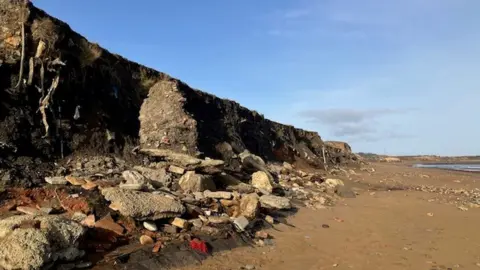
<point x="151" y="226"/>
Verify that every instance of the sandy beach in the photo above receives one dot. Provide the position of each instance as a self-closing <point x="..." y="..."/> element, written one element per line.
<point x="389" y="225"/>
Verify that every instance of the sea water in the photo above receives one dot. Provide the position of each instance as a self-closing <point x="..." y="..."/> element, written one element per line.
<point x="455" y="167"/>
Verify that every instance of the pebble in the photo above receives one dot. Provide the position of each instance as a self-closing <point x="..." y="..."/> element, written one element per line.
<point x="325" y="226"/>
<point x="248" y="267"/>
<point x="151" y="226"/>
<point x="58" y="180"/>
<point x="430" y="214"/>
<point x="270" y="219"/>
<point x="146" y="240"/>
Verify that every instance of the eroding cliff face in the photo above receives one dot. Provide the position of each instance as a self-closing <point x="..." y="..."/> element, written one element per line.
<point x="73" y="97"/>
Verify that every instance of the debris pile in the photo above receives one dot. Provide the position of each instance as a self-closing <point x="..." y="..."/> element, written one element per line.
<point x="101" y="204"/>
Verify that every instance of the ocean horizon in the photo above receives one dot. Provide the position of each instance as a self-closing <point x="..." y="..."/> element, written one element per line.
<point x="454" y="167"/>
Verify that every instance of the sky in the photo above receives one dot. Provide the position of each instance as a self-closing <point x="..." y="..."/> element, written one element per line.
<point x="387" y="76"/>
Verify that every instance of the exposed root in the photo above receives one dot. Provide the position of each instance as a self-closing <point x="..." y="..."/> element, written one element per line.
<point x="31" y="66"/>
<point x="45" y="102"/>
<point x="22" y="59"/>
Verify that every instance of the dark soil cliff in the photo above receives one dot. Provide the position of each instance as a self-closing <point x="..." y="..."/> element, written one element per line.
<point x="75" y="98"/>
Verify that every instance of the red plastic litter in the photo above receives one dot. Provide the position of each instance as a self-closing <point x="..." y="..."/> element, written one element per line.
<point x="199" y="245"/>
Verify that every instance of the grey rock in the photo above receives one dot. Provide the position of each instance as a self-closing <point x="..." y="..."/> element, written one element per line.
<point x="233" y="184"/>
<point x="194" y="182"/>
<point x="218" y="194"/>
<point x="275" y="202"/>
<point x="159" y="177"/>
<point x="143" y="205"/>
<point x="57" y="180"/>
<point x="31" y="248"/>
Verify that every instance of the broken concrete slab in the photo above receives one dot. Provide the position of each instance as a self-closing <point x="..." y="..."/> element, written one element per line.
<point x="275" y="202"/>
<point x="143" y="205"/>
<point x="218" y="194"/>
<point x="56" y="238"/>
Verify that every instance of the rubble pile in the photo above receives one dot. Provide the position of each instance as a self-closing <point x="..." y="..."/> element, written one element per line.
<point x="101" y="204"/>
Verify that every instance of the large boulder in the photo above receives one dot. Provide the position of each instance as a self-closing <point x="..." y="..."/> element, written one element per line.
<point x="29" y="242"/>
<point x="194" y="182"/>
<point x="261" y="180"/>
<point x="249" y="205"/>
<point x="143" y="205"/>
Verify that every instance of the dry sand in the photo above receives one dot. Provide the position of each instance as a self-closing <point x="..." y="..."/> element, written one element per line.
<point x="386" y="230"/>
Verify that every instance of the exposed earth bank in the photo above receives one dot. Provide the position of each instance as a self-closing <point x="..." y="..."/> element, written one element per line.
<point x="380" y="229"/>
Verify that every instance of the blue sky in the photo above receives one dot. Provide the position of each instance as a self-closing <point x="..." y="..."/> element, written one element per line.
<point x="387" y="76"/>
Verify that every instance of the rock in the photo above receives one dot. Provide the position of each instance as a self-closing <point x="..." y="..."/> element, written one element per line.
<point x="246" y="156"/>
<point x="46" y="210"/>
<point x="249" y="206"/>
<point x="210" y="230"/>
<point x="196" y="223"/>
<point x="270" y="219"/>
<point x="287" y="166"/>
<point x="198" y="196"/>
<point x="78" y="217"/>
<point x="218" y="220"/>
<point x="233" y="184"/>
<point x="331" y="182"/>
<point x="83" y="265"/>
<point x="218" y="194"/>
<point x="228" y="203"/>
<point x="158" y="176"/>
<point x="180" y="223"/>
<point x="241" y="223"/>
<point x="133" y="180"/>
<point x="75" y="181"/>
<point x="31" y="248"/>
<point x="89" y="221"/>
<point x="262" y="181"/>
<point x="29" y="210"/>
<point x="344" y="192"/>
<point x="151" y="226"/>
<point x="143" y="205"/>
<point x="174" y="157"/>
<point x="176" y="170"/>
<point x="249" y="267"/>
<point x="107" y="223"/>
<point x="89" y="185"/>
<point x="57" y="180"/>
<point x="262" y="235"/>
<point x="275" y="202"/>
<point x="146" y="240"/>
<point x="193" y="182"/>
<point x="167" y="228"/>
